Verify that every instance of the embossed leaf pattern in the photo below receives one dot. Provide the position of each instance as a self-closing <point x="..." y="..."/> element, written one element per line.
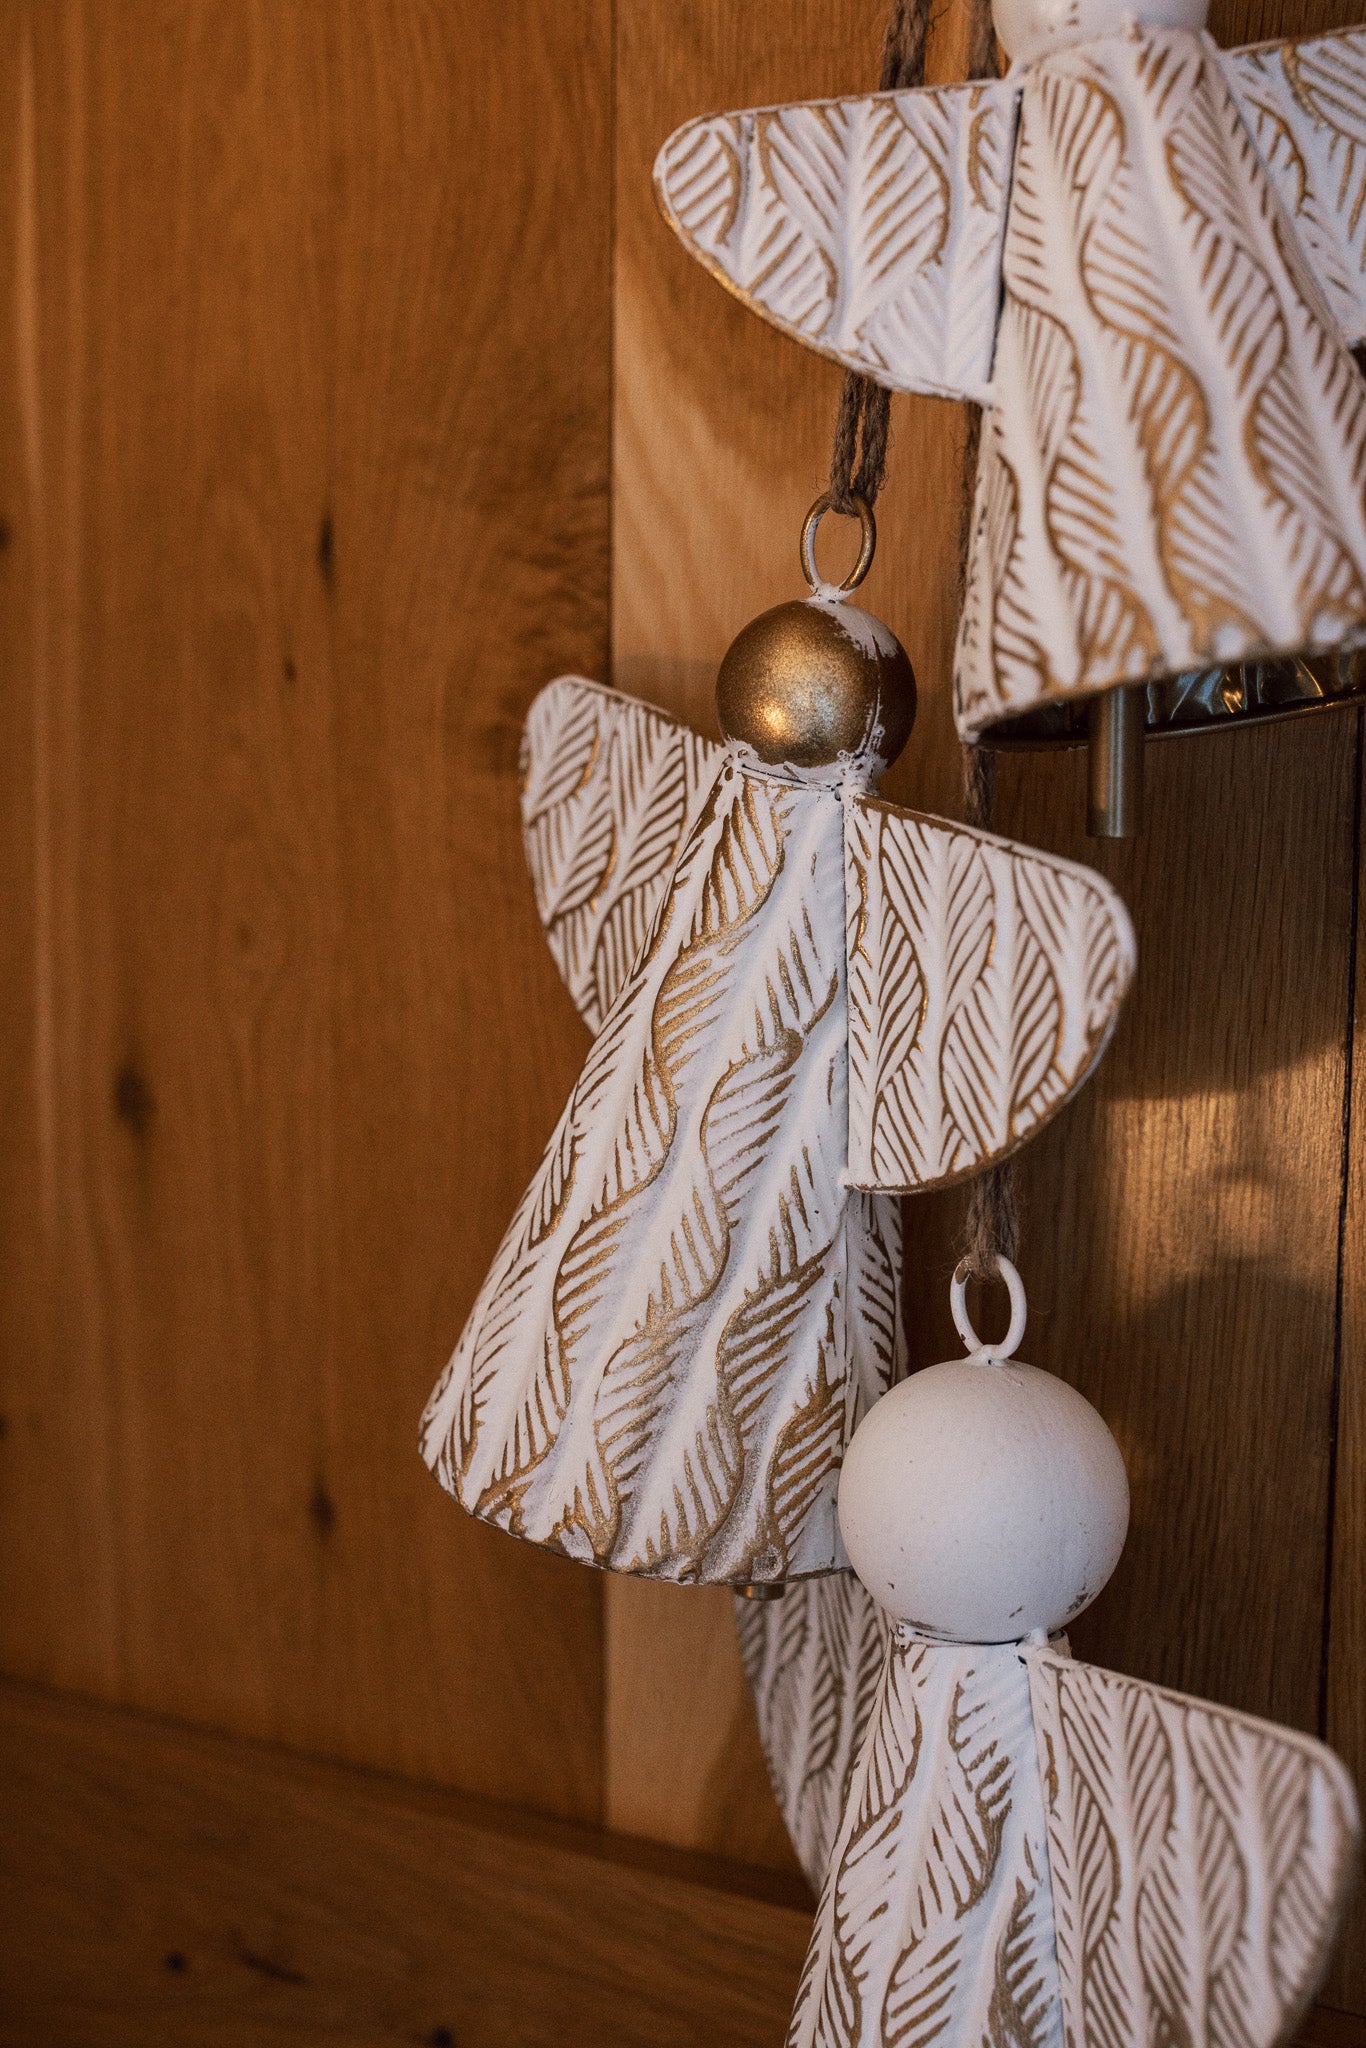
<point x="966" y="1816"/>
<point x="841" y="1975"/>
<point x="1000" y="643"/>
<point x="1305" y="104"/>
<point x="1148" y="280"/>
<point x="984" y="981"/>
<point x="739" y="1127"/>
<point x="1272" y="339"/>
<point x="870" y="228"/>
<point x="1070" y="155"/>
<point x="1024" y="2010"/>
<point x="814" y="1660"/>
<point x="690" y="1309"/>
<point x="934" y="1924"/>
<point x="1174" y="468"/>
<point x="1199" y="1859"/>
<point x="610" y="789"/>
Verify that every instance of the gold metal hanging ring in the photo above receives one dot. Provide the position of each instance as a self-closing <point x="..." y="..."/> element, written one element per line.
<point x="864" y="512"/>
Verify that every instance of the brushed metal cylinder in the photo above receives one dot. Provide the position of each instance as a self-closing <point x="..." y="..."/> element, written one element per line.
<point x="1114" y="795"/>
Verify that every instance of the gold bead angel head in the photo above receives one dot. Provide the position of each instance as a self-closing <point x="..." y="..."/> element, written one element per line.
<point x="817" y="682"/>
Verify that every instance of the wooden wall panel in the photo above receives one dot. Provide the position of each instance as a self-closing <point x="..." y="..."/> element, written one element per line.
<point x="675" y="1690"/>
<point x="159" y="1885"/>
<point x="1182" y="1219"/>
<point x="1181" y="1242"/>
<point x="304" y="497"/>
<point x="303" y="491"/>
<point x="1345" y="1609"/>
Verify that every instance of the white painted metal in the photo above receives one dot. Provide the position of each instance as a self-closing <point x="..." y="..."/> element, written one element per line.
<point x="690" y="1310"/>
<point x="1305" y="103"/>
<point x="869" y="228"/>
<point x="1033" y="1850"/>
<point x="1030" y="28"/>
<point x="610" y="789"/>
<point x="814" y="1661"/>
<point x="985" y="979"/>
<point x="693" y="1306"/>
<point x="1200" y="1861"/>
<point x="935" y="1918"/>
<point x="978" y="1347"/>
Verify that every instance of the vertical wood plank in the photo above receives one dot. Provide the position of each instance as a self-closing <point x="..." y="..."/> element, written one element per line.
<point x="1180" y="1238"/>
<point x="1345" y="1677"/>
<point x="307" y="499"/>
<point x="61" y="1571"/>
<point x="676" y="1690"/>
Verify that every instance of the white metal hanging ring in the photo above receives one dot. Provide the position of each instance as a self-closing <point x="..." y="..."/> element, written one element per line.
<point x="962" y="1321"/>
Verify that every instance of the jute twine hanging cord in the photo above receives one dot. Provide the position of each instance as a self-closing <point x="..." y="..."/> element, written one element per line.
<point x="858" y="466"/>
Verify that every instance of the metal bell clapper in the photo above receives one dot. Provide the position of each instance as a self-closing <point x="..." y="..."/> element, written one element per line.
<point x="1115" y="725"/>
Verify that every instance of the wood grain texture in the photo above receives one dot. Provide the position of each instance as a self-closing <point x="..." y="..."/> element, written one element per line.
<point x="303" y="492"/>
<point x="305" y="499"/>
<point x="1181" y="1219"/>
<point x="683" y="1761"/>
<point x="1345" y="1609"/>
<point x="159" y="1885"/>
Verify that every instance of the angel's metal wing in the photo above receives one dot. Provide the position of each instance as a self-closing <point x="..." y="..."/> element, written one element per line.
<point x="1035" y="1850"/>
<point x="1200" y="1861"/>
<point x="1305" y="103"/>
<point x="869" y="228"/>
<point x="935" y="1920"/>
<point x="984" y="980"/>
<point x="610" y="789"/>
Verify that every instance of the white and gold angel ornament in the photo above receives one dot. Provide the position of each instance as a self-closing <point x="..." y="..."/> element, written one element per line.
<point x="1034" y="1851"/>
<point x="805" y="1002"/>
<point x="1146" y="259"/>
